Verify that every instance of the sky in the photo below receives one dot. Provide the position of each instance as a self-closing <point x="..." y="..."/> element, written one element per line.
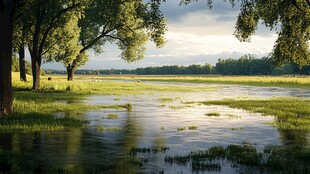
<point x="196" y="35"/>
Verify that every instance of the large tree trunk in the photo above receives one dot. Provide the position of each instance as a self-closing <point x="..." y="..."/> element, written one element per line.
<point x="36" y="67"/>
<point x="22" y="63"/>
<point x="6" y="37"/>
<point x="70" y="73"/>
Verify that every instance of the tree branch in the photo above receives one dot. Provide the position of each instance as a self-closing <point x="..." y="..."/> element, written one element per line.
<point x="50" y="47"/>
<point x="296" y="5"/>
<point x="52" y="23"/>
<point x="118" y="38"/>
<point x="103" y="34"/>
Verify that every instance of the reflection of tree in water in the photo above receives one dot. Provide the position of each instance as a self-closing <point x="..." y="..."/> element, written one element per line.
<point x="40" y="151"/>
<point x="295" y="137"/>
<point x="128" y="140"/>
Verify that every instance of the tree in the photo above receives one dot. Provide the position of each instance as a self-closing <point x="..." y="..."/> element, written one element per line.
<point x="129" y="24"/>
<point x="67" y="48"/>
<point x="291" y="18"/>
<point x="20" y="37"/>
<point x="7" y="18"/>
<point x="46" y="17"/>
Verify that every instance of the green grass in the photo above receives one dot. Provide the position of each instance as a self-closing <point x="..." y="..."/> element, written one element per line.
<point x="213" y="114"/>
<point x="154" y="150"/>
<point x="291" y="113"/>
<point x="233" y="116"/>
<point x="165" y="100"/>
<point x="181" y="106"/>
<point x="102" y="128"/>
<point x="38" y="122"/>
<point x="35" y="110"/>
<point x="33" y="115"/>
<point x="273" y="159"/>
<point x="279" y="81"/>
<point x="112" y="116"/>
<point x="181" y="128"/>
<point x="237" y="128"/>
<point x="83" y="85"/>
<point x="192" y="127"/>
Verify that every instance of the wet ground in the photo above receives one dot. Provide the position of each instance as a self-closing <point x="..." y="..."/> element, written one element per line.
<point x="153" y="123"/>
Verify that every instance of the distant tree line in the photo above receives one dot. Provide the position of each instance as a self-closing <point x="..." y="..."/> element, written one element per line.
<point x="175" y="70"/>
<point x="93" y="72"/>
<point x="246" y="65"/>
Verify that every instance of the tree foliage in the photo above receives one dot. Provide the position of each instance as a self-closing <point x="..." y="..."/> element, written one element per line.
<point x="129" y="24"/>
<point x="46" y="17"/>
<point x="290" y="18"/>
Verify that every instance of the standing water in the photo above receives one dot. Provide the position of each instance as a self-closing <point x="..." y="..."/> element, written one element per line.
<point x="159" y="125"/>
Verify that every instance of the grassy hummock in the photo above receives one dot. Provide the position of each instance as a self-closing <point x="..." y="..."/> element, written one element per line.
<point x="291" y="113"/>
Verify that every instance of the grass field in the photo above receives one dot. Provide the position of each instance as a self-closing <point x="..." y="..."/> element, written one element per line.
<point x="293" y="81"/>
<point x="33" y="110"/>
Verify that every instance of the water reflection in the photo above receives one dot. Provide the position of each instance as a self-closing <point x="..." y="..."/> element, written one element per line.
<point x="295" y="137"/>
<point x="151" y="123"/>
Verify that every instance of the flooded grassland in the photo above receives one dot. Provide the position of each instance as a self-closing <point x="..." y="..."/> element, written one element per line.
<point x="164" y="127"/>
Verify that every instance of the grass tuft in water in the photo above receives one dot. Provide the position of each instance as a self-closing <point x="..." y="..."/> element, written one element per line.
<point x="237" y="128"/>
<point x="233" y="116"/>
<point x="181" y="128"/>
<point x="165" y="100"/>
<point x="192" y="127"/>
<point x="180" y="107"/>
<point x="291" y="113"/>
<point x="273" y="159"/>
<point x="102" y="128"/>
<point x="150" y="150"/>
<point x="214" y="114"/>
<point x="112" y="116"/>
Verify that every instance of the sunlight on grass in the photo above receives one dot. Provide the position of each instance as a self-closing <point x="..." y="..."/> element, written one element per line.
<point x="280" y="81"/>
<point x="85" y="86"/>
<point x="291" y="113"/>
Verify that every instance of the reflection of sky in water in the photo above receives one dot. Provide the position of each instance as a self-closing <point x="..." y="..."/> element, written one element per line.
<point x="159" y="122"/>
<point x="155" y="123"/>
